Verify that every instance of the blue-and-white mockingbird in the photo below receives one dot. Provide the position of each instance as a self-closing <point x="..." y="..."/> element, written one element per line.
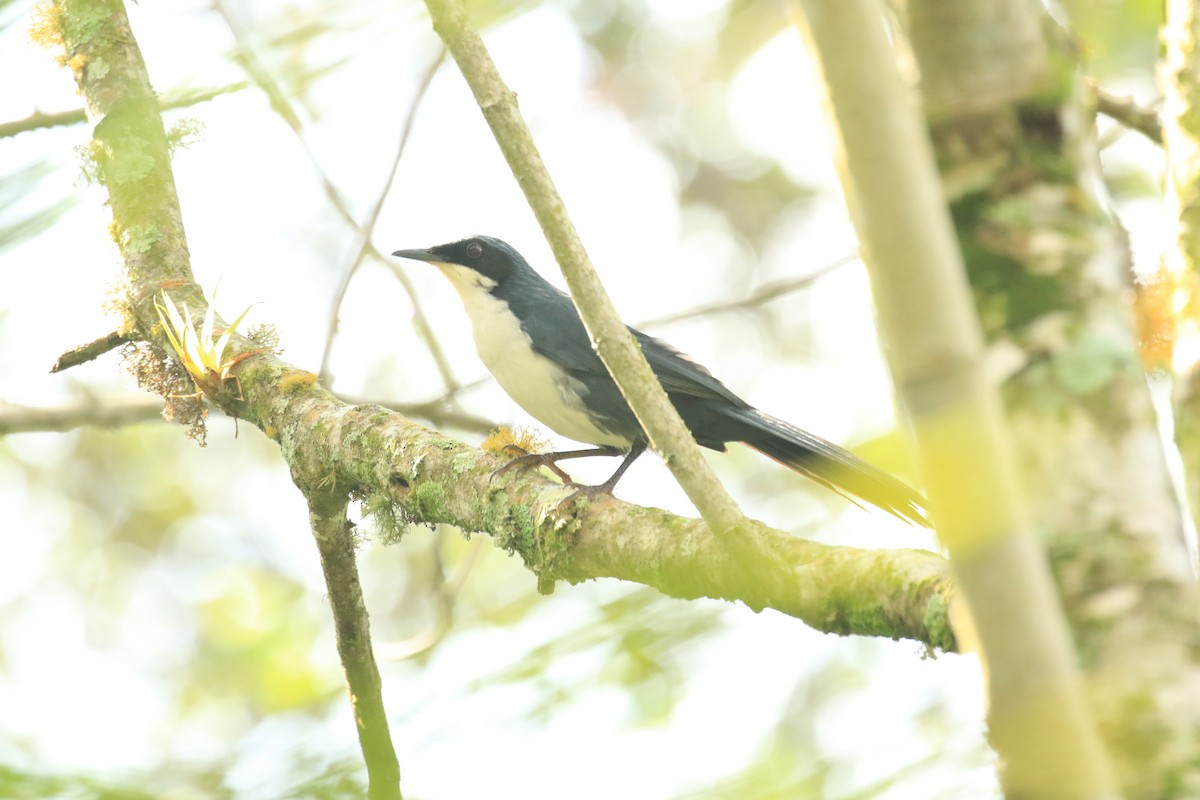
<point x="530" y="336"/>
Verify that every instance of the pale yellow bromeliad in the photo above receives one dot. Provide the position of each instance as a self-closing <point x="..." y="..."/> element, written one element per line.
<point x="200" y="355"/>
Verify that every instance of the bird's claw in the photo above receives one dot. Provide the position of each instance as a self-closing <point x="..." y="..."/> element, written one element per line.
<point x="590" y="492"/>
<point x="523" y="460"/>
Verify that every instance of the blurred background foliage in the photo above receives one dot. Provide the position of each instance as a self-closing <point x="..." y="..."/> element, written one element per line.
<point x="163" y="631"/>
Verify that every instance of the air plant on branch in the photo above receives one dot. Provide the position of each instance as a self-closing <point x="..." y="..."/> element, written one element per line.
<point x="202" y="357"/>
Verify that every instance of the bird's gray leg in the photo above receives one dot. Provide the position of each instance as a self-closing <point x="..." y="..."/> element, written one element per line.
<point x="526" y="460"/>
<point x="610" y="484"/>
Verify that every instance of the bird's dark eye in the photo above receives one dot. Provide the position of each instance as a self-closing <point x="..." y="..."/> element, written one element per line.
<point x="474" y="249"/>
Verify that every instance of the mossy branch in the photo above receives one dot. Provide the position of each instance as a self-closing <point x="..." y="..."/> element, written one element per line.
<point x="369" y="453"/>
<point x="390" y="462"/>
<point x="132" y="156"/>
<point x="383" y="457"/>
<point x="335" y="541"/>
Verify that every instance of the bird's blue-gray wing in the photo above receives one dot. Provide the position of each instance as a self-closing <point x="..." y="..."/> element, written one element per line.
<point x="550" y="320"/>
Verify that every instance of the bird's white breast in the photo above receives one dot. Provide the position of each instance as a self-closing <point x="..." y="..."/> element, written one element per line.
<point x="537" y="384"/>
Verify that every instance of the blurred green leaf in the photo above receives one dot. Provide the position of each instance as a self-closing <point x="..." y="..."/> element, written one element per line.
<point x="21" y="220"/>
<point x="637" y="642"/>
<point x="1116" y="39"/>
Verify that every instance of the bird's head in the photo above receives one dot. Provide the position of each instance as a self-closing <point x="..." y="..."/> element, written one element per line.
<point x="473" y="263"/>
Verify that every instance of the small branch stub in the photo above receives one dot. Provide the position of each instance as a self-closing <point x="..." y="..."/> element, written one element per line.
<point x="87" y="352"/>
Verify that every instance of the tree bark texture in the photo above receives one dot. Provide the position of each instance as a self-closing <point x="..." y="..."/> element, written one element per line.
<point x="1178" y="282"/>
<point x="1050" y="270"/>
<point x="1038" y="720"/>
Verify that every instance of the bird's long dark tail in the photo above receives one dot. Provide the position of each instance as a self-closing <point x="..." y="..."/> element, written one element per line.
<point x="831" y="466"/>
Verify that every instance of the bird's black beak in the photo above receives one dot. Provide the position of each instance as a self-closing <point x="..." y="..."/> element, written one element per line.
<point x="418" y="255"/>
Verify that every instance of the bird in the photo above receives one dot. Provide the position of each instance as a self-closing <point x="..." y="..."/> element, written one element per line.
<point x="529" y="335"/>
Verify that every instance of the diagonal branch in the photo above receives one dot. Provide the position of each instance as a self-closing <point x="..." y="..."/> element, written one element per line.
<point x="763" y="294"/>
<point x="614" y="344"/>
<point x="1125" y="110"/>
<point x="379" y="455"/>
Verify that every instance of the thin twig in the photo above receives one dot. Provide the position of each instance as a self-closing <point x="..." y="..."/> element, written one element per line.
<point x="86" y="352"/>
<point x="279" y="101"/>
<point x="93" y="411"/>
<point x="614" y="344"/>
<point x="368" y="226"/>
<point x="763" y="294"/>
<point x="439" y="411"/>
<point x="114" y="412"/>
<point x="1143" y="119"/>
<point x="38" y="120"/>
<point x="445" y="592"/>
<point x="421" y="324"/>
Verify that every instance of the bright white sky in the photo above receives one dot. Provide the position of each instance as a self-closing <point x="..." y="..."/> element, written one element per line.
<point x="256" y="219"/>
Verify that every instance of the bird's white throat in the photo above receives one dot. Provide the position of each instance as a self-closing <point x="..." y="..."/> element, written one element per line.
<point x="533" y="381"/>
